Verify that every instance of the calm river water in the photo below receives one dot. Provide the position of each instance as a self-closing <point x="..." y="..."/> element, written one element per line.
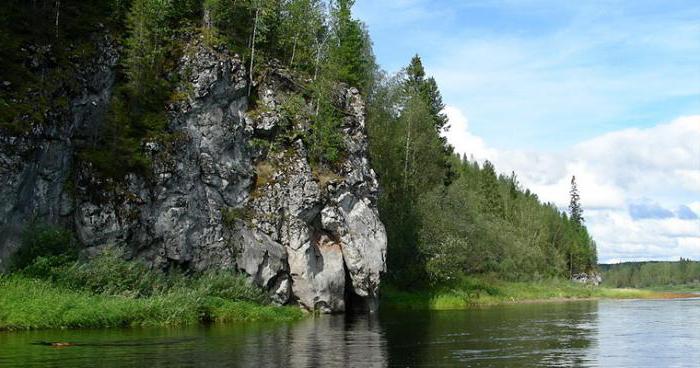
<point x="583" y="334"/>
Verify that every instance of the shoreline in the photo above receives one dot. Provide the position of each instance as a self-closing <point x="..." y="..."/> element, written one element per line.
<point x="478" y="293"/>
<point x="31" y="304"/>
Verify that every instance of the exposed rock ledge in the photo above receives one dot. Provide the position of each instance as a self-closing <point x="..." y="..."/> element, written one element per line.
<point x="214" y="200"/>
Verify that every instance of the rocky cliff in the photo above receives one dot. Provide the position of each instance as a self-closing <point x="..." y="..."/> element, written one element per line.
<point x="234" y="188"/>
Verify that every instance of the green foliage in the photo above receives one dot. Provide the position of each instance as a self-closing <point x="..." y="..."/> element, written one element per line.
<point x="37" y="304"/>
<point x="324" y="140"/>
<point x="138" y="108"/>
<point x="293" y="108"/>
<point x="40" y="240"/>
<point x="469" y="292"/>
<point x="416" y="82"/>
<point x="575" y="210"/>
<point x="304" y="28"/>
<point x="111" y="274"/>
<point x="652" y="274"/>
<point x="409" y="157"/>
<point x="230" y="216"/>
<point x="446" y="216"/>
<point x="351" y="49"/>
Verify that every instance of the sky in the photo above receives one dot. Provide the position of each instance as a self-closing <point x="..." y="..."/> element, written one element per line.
<point x="608" y="91"/>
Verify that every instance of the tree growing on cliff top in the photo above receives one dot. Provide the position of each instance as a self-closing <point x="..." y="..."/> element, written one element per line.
<point x="351" y="49"/>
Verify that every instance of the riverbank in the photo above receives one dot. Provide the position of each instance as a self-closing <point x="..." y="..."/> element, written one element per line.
<point x="27" y="304"/>
<point x="475" y="292"/>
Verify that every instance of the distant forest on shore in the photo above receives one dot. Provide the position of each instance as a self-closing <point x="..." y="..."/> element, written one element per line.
<point x="651" y="274"/>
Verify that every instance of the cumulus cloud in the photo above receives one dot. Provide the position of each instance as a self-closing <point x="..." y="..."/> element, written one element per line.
<point x="629" y="181"/>
<point x="462" y="139"/>
<point x="546" y="89"/>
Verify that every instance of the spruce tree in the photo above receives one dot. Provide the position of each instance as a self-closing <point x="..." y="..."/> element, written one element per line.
<point x="575" y="210"/>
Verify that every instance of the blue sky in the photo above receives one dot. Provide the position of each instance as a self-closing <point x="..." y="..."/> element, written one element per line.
<point x="554" y="71"/>
<point x="608" y="91"/>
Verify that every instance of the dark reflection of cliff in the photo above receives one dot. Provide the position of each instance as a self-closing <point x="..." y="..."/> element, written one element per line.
<point x="325" y="341"/>
<point x="522" y="335"/>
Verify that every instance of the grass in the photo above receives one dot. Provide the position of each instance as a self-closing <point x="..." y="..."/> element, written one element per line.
<point x="109" y="291"/>
<point x="478" y="292"/>
<point x="680" y="288"/>
<point x="27" y="303"/>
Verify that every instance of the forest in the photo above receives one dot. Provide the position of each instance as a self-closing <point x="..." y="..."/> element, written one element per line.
<point x="684" y="272"/>
<point x="447" y="216"/>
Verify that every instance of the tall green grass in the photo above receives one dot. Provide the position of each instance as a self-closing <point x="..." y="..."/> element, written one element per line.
<point x="109" y="291"/>
<point x="37" y="304"/>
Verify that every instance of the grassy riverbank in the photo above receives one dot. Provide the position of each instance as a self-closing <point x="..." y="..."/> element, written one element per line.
<point x="478" y="292"/>
<point x="27" y="303"/>
<point x="108" y="291"/>
<point x="682" y="288"/>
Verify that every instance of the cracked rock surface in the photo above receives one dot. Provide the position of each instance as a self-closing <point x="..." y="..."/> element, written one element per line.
<point x="215" y="199"/>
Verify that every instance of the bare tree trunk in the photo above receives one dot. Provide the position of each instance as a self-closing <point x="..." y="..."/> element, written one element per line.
<point x="571" y="265"/>
<point x="58" y="12"/>
<point x="207" y="18"/>
<point x="252" y="51"/>
<point x="318" y="56"/>
<point x="405" y="164"/>
<point x="294" y="50"/>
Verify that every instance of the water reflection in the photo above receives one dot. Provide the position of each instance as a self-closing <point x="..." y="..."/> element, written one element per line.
<point x="582" y="334"/>
<point x="532" y="335"/>
<point x="325" y="341"/>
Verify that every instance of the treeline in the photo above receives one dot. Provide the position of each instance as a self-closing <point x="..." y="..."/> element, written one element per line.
<point x="651" y="274"/>
<point x="447" y="216"/>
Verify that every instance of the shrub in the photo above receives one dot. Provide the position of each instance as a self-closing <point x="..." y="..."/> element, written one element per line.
<point x="231" y="215"/>
<point x="109" y="273"/>
<point x="227" y="285"/>
<point x="41" y="240"/>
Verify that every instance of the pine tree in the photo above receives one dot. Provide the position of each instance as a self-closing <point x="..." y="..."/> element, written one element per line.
<point x="575" y="210"/>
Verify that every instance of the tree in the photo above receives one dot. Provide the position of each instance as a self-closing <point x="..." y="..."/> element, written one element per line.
<point x="303" y="27"/>
<point x="493" y="200"/>
<point x="146" y="45"/>
<point x="351" y="49"/>
<point x="416" y="82"/>
<point x="427" y="87"/>
<point x="575" y="210"/>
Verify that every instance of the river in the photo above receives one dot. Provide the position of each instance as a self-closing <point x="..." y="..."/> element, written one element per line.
<point x="620" y="333"/>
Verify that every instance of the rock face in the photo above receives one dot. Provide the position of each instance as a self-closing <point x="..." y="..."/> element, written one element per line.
<point x="35" y="167"/>
<point x="592" y="278"/>
<point x="234" y="190"/>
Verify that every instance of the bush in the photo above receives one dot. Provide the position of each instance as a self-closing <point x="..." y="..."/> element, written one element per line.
<point x="40" y="240"/>
<point x="111" y="274"/>
<point x="229" y="286"/>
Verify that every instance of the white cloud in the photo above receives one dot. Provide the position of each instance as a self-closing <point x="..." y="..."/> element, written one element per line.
<point x="462" y="139"/>
<point x="615" y="172"/>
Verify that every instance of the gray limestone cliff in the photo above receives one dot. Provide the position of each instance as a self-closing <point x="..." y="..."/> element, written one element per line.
<point x="225" y="194"/>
